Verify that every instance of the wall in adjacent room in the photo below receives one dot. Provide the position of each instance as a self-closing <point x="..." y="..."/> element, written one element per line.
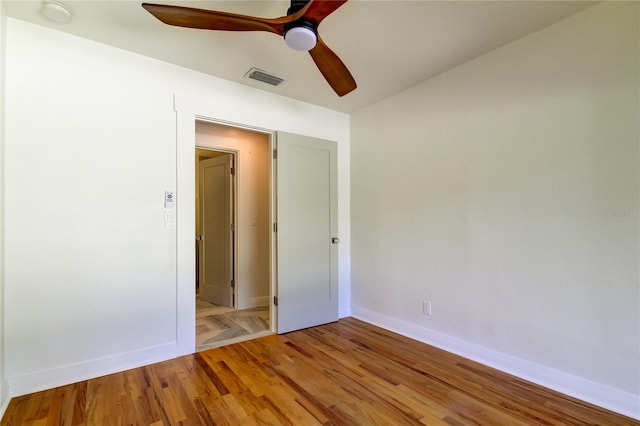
<point x="506" y="193"/>
<point x="90" y="266"/>
<point x="253" y="228"/>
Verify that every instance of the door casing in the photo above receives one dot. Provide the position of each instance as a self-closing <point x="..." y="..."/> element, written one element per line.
<point x="186" y="119"/>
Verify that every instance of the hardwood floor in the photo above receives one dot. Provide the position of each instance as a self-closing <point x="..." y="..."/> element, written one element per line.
<point x="344" y="373"/>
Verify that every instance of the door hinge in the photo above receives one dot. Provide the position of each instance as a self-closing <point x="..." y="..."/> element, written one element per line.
<point x="233" y="171"/>
<point x="275" y="300"/>
<point x="233" y="227"/>
<point x="275" y="227"/>
<point x="275" y="154"/>
<point x="233" y="283"/>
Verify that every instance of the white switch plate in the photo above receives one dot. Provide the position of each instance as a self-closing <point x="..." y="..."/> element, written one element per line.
<point x="169" y="218"/>
<point x="426" y="308"/>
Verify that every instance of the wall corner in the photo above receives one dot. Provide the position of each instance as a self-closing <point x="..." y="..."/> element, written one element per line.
<point x="4" y="393"/>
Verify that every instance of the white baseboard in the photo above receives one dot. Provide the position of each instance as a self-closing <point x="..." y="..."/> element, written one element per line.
<point x="5" y="400"/>
<point x="577" y="387"/>
<point x="60" y="376"/>
<point x="256" y="302"/>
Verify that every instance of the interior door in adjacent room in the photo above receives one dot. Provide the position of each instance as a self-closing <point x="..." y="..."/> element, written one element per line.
<point x="307" y="250"/>
<point x="216" y="257"/>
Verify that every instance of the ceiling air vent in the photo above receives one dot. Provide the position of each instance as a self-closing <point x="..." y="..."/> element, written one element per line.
<point x="263" y="76"/>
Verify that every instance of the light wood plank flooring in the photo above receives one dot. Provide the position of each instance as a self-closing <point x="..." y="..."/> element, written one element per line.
<point x="344" y="373"/>
<point x="218" y="325"/>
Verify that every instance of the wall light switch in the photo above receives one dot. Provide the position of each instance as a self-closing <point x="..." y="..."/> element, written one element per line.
<point x="169" y="218"/>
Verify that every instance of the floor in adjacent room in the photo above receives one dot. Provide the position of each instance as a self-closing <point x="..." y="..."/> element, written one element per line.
<point x="218" y="325"/>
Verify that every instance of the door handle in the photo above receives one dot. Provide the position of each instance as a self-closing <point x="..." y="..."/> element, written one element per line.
<point x="335" y="240"/>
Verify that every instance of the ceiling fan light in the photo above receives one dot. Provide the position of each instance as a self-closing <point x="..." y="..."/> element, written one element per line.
<point x="300" y="38"/>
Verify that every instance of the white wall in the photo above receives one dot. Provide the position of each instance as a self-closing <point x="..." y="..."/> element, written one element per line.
<point x="91" y="269"/>
<point x="506" y="193"/>
<point x="4" y="395"/>
<point x="253" y="200"/>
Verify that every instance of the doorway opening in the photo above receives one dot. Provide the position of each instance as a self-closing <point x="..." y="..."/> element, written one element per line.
<point x="232" y="235"/>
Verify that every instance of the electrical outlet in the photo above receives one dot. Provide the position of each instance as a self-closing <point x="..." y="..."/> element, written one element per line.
<point x="426" y="308"/>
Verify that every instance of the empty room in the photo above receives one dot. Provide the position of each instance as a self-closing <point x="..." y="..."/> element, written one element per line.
<point x="423" y="212"/>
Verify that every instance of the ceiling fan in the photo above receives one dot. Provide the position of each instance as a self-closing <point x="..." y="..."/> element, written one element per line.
<point x="299" y="28"/>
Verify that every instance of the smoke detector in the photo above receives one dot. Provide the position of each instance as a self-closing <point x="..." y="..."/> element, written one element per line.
<point x="56" y="12"/>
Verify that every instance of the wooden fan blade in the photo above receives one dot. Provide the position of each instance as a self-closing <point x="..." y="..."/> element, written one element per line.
<point x="316" y="10"/>
<point x="333" y="69"/>
<point x="212" y="20"/>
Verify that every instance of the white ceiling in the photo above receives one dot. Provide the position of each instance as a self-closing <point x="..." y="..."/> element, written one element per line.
<point x="387" y="45"/>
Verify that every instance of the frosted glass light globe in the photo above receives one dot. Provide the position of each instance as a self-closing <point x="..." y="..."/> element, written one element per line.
<point x="300" y="38"/>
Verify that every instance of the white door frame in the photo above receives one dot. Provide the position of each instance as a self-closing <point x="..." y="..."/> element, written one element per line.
<point x="187" y="115"/>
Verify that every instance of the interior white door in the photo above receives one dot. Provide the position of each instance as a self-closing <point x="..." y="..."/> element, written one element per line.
<point x="216" y="263"/>
<point x="307" y="211"/>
